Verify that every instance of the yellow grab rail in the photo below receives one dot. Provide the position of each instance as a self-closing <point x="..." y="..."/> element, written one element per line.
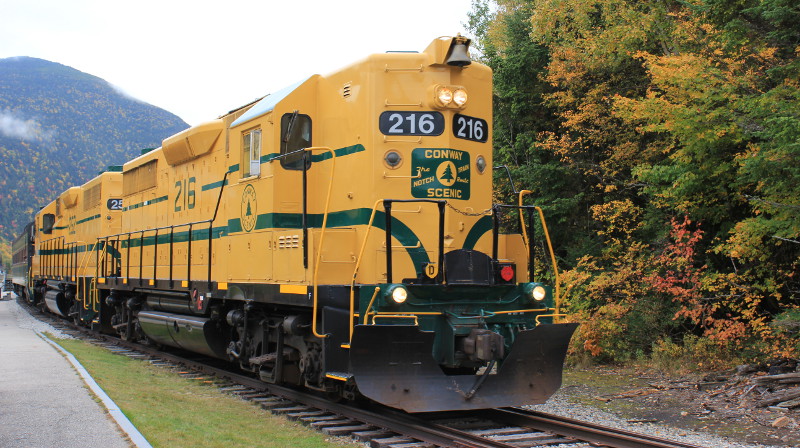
<point x="94" y="294"/>
<point x="358" y="265"/>
<point x="549" y="247"/>
<point x="369" y="307"/>
<point x="522" y="218"/>
<point x="554" y="315"/>
<point x="321" y="239"/>
<point x="81" y="268"/>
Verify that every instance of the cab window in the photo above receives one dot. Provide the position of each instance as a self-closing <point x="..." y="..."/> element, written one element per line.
<point x="251" y="153"/>
<point x="48" y="222"/>
<point x="295" y="135"/>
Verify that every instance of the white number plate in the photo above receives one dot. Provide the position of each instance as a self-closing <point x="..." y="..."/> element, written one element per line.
<point x="470" y="128"/>
<point x="411" y="123"/>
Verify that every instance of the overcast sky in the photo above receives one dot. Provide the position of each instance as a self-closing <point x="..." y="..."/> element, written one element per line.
<point x="199" y="59"/>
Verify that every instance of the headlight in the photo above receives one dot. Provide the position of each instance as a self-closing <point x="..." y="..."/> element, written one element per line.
<point x="539" y="293"/>
<point x="460" y="97"/>
<point x="444" y="95"/>
<point x="398" y="293"/>
<point x="535" y="292"/>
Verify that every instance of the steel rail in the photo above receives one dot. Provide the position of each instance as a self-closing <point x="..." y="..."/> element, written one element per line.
<point x="422" y="427"/>
<point x="585" y="431"/>
<point x="392" y="420"/>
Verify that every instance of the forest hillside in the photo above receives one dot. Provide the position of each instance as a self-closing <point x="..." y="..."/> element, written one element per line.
<point x="59" y="127"/>
<point x="662" y="138"/>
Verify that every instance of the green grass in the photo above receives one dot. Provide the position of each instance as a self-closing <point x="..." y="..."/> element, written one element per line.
<point x="171" y="411"/>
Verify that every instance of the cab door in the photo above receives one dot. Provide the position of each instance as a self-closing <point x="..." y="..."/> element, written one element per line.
<point x="290" y="239"/>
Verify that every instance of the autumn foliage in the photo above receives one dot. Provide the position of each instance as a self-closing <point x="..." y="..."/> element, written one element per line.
<point x="663" y="140"/>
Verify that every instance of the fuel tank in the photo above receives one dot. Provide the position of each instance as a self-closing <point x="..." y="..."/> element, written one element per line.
<point x="57" y="302"/>
<point x="192" y="333"/>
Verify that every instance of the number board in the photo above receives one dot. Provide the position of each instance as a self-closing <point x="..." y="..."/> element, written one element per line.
<point x="442" y="173"/>
<point x="411" y="123"/>
<point x="470" y="128"/>
<point x="114" y="204"/>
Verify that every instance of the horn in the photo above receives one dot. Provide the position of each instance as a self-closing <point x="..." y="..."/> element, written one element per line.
<point x="459" y="52"/>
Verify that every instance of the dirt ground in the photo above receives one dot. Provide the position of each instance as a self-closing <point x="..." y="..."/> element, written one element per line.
<point x="721" y="403"/>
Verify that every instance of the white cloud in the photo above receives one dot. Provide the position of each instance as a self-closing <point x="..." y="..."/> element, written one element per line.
<point x="124" y="92"/>
<point x="15" y="127"/>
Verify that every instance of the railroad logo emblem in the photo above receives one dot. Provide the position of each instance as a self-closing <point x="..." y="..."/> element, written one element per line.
<point x="72" y="223"/>
<point x="249" y="209"/>
<point x="441" y="173"/>
<point x="445" y="174"/>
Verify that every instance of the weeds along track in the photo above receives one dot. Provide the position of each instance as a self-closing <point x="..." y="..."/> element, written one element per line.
<point x="378" y="426"/>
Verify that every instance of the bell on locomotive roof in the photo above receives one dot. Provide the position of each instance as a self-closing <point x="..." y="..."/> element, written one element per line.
<point x="459" y="52"/>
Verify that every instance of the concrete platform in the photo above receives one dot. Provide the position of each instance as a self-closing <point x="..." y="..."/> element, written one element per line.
<point x="43" y="401"/>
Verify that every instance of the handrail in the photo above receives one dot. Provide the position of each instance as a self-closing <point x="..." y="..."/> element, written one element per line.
<point x="95" y="292"/>
<point x="387" y="205"/>
<point x="552" y="259"/>
<point x="171" y="228"/>
<point x="522" y="194"/>
<point x="48" y="263"/>
<point x="29" y="282"/>
<point x="321" y="238"/>
<point x="304" y="216"/>
<point x="143" y="232"/>
<point x="79" y="268"/>
<point x="366" y="312"/>
<point x="510" y="179"/>
<point x="547" y="238"/>
<point x="416" y="176"/>
<point x="388" y="230"/>
<point x="555" y="315"/>
<point x="531" y="310"/>
<point x="358" y="265"/>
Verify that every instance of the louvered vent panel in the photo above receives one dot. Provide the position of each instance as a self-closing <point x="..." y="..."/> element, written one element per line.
<point x="91" y="197"/>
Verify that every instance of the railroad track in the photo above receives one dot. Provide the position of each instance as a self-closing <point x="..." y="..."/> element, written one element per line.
<point x="379" y="426"/>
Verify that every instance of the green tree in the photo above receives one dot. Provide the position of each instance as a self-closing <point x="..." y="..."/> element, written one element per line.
<point x="629" y="118"/>
<point x="448" y="173"/>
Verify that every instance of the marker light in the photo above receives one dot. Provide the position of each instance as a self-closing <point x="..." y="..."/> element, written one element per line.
<point x="480" y="164"/>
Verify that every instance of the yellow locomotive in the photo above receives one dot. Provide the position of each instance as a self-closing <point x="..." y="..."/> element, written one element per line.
<point x="337" y="234"/>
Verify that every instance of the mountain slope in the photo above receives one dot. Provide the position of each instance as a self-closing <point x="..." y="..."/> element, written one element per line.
<point x="59" y="127"/>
